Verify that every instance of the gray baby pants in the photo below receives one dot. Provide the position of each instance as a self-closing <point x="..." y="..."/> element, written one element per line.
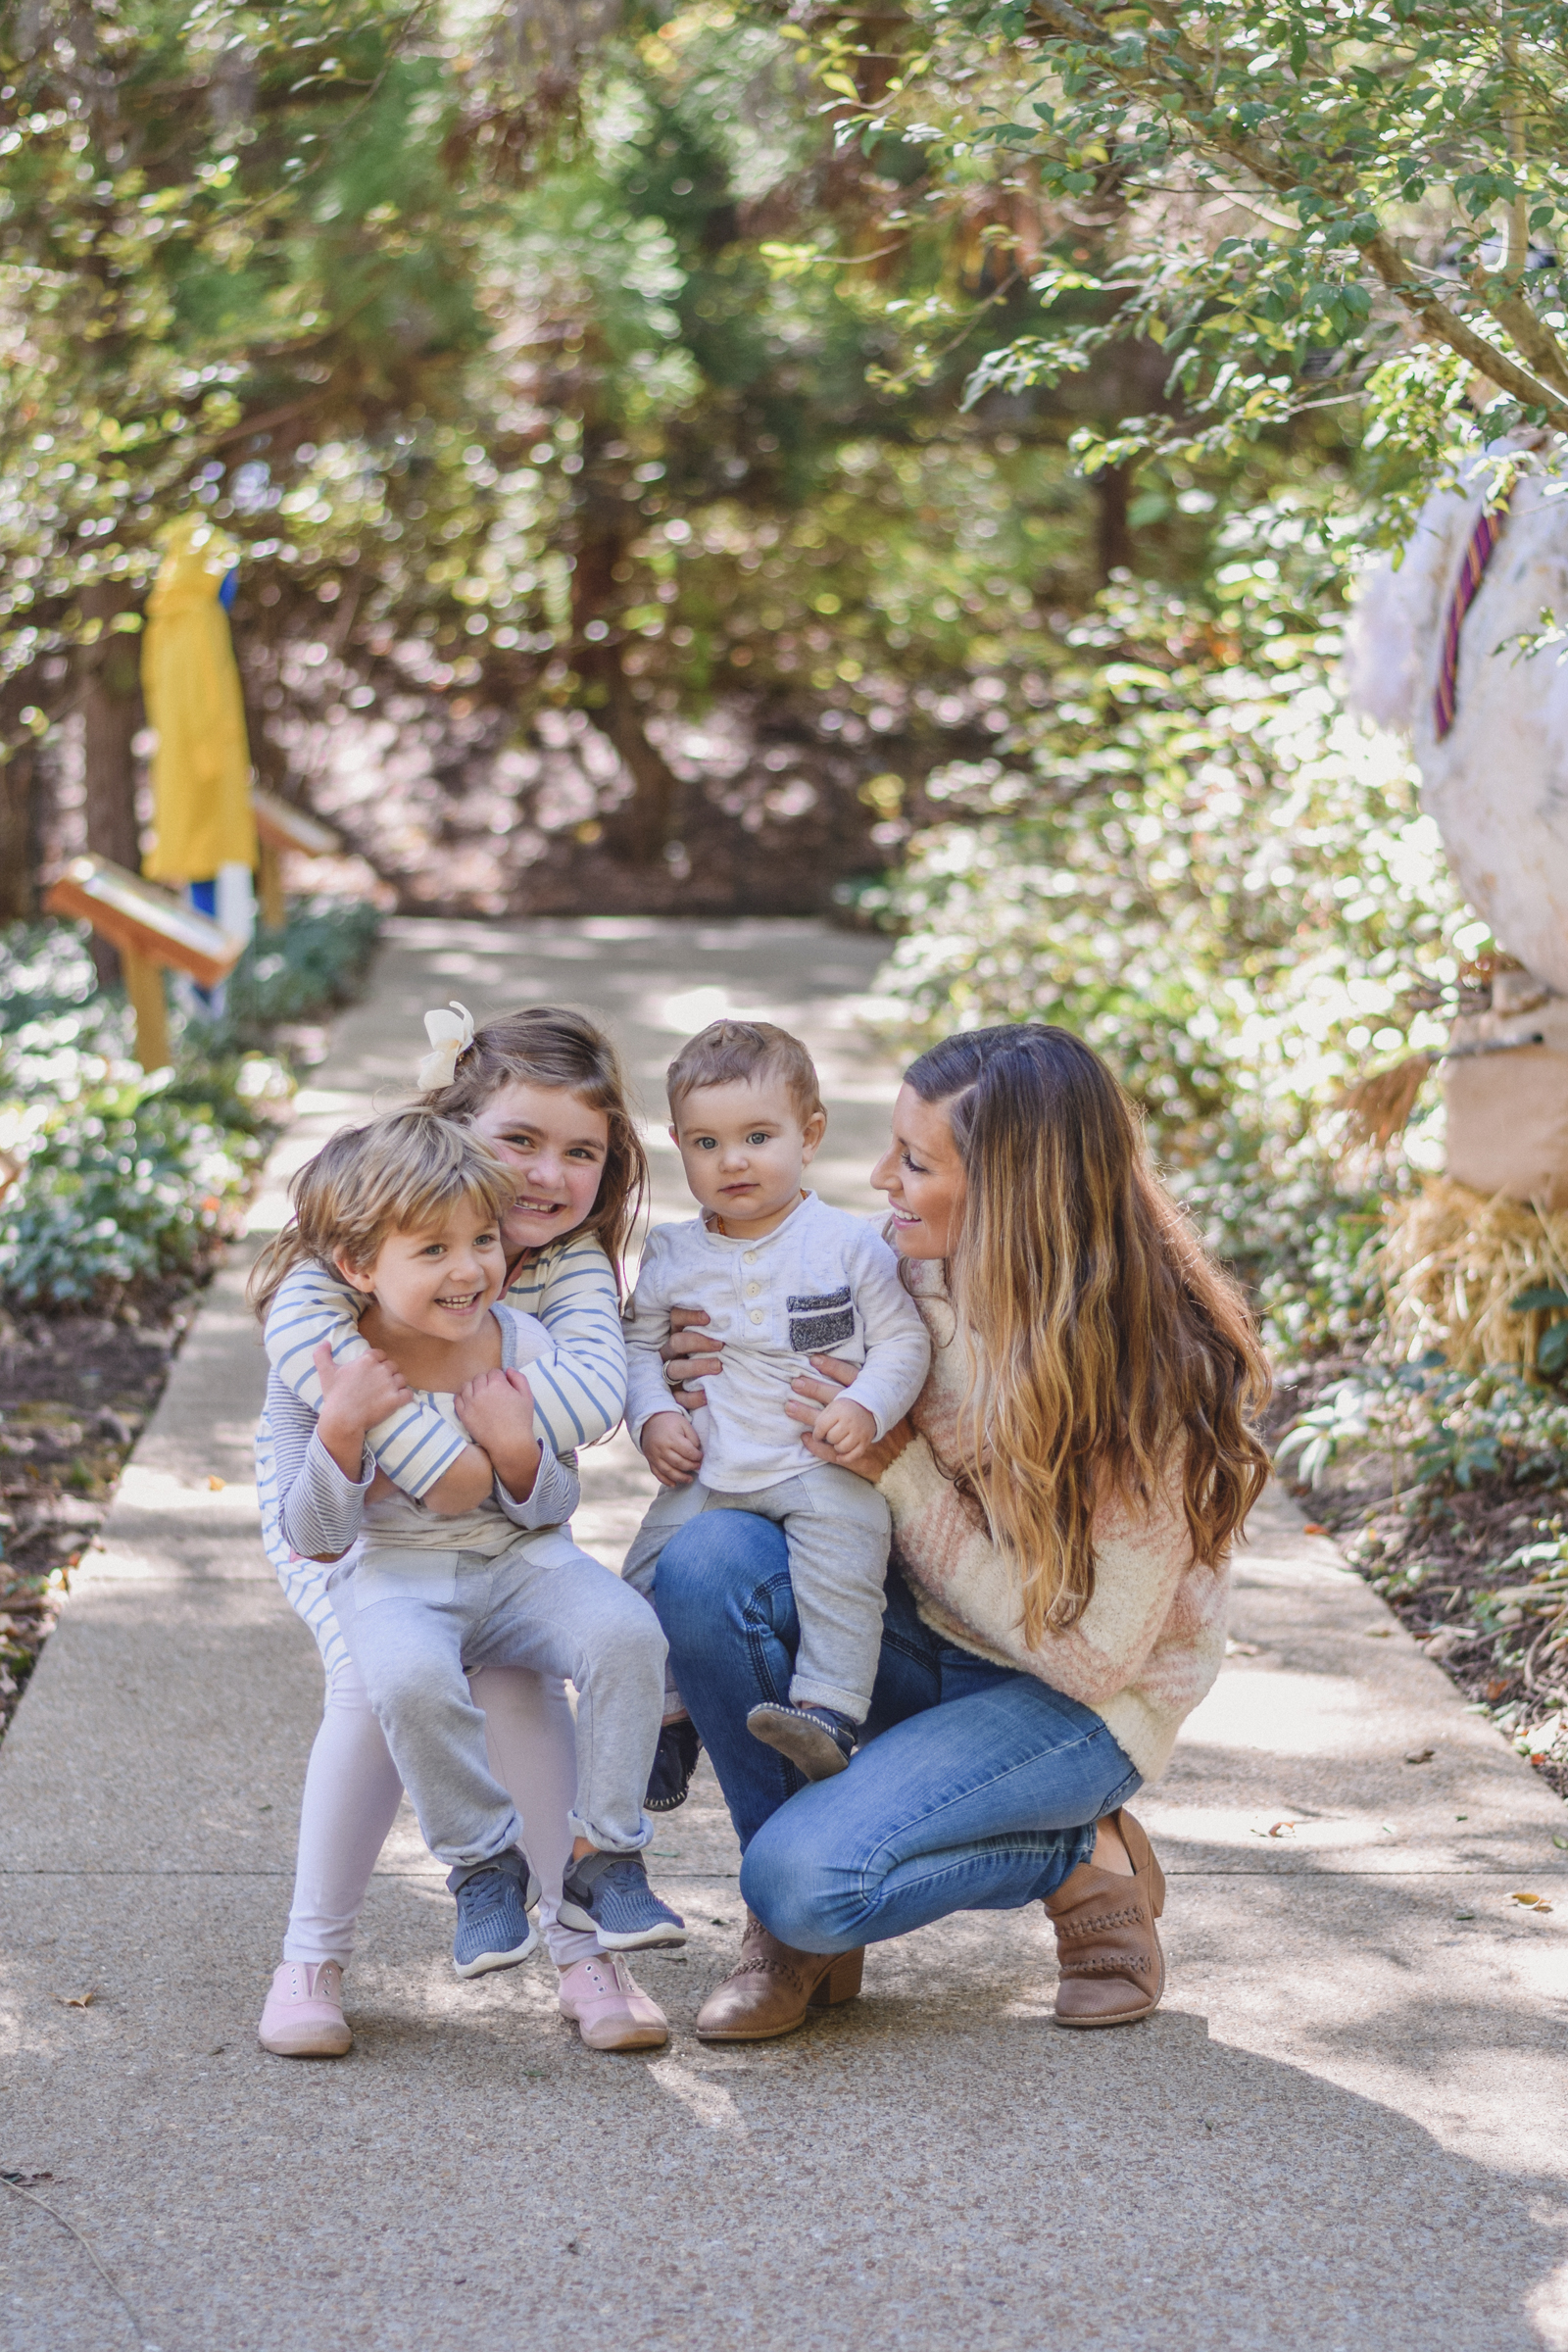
<point x="838" y="1529"/>
<point x="418" y="1623"/>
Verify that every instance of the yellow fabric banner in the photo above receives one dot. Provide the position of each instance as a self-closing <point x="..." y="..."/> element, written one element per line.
<point x="202" y="767"/>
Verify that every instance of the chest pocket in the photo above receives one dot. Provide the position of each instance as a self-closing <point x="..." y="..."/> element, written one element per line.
<point x="817" y="1324"/>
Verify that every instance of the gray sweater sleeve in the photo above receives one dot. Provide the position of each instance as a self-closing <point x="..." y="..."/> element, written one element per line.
<point x="318" y="1509"/>
<point x="556" y="1494"/>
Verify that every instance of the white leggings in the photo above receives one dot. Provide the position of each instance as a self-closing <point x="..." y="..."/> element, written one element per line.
<point x="351" y="1794"/>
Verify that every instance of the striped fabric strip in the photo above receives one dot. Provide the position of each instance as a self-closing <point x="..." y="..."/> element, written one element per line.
<point x="304" y="1581"/>
<point x="1472" y="570"/>
<point x="571" y="1290"/>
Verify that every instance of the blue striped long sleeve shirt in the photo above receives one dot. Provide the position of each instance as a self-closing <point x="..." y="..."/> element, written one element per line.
<point x="577" y="1399"/>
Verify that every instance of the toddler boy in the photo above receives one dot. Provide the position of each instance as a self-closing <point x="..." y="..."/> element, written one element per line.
<point x="782" y="1278"/>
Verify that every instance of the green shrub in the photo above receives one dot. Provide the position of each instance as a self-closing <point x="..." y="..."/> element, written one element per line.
<point x="1455" y="1430"/>
<point x="315" y="963"/>
<point x="1188" y="857"/>
<point x="126" y="1186"/>
<point x="125" y="1179"/>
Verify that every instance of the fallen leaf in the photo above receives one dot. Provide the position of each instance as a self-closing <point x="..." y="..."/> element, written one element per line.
<point x="215" y="1486"/>
<point x="1283" y="1829"/>
<point x="1496" y="1686"/>
<point x="1419" y="1756"/>
<point x="1529" y="1900"/>
<point x="1557" y="1841"/>
<point x="1314" y="1526"/>
<point x="77" y="2000"/>
<point x="1465" y="1915"/>
<point x="1243" y="1649"/>
<point x="1377" y="1633"/>
<point x="1390" y="1826"/>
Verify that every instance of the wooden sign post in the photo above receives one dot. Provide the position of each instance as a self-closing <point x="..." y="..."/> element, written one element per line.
<point x="280" y="826"/>
<point x="153" y="932"/>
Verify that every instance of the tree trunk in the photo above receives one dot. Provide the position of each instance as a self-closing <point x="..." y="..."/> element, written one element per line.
<point x="111" y="718"/>
<point x="1113" y="534"/>
<point x="19" y="853"/>
<point x="638" y="833"/>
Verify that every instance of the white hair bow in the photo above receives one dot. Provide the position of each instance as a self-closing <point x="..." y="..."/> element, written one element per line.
<point x="450" y="1040"/>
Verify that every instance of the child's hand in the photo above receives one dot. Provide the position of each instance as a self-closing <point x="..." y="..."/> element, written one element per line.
<point x="672" y="1448"/>
<point x="496" y="1411"/>
<point x="355" y="1397"/>
<point x="843" y="1427"/>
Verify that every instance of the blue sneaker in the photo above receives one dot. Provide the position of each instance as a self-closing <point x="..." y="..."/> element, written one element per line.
<point x="817" y="1741"/>
<point x="494" y="1929"/>
<point x="608" y="1896"/>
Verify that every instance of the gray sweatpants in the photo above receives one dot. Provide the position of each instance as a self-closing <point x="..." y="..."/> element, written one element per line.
<point x="418" y="1623"/>
<point x="838" y="1529"/>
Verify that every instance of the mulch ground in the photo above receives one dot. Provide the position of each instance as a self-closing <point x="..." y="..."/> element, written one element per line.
<point x="76" y="1391"/>
<point x="1437" y="1559"/>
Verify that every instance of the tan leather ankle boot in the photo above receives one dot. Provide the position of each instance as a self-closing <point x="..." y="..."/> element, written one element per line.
<point x="771" y="1986"/>
<point x="1107" y="1947"/>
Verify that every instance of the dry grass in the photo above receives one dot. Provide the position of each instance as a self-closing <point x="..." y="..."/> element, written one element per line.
<point x="1452" y="1263"/>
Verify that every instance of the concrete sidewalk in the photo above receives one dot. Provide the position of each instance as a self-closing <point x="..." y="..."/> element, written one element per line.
<point x="1346" y="2129"/>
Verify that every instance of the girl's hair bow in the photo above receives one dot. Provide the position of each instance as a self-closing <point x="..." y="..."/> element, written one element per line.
<point x="451" y="1034"/>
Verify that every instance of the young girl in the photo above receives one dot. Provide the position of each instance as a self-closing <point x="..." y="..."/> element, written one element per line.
<point x="544" y="1089"/>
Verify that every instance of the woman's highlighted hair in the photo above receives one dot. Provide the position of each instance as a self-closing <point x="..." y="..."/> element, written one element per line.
<point x="404" y="1173"/>
<point x="1107" y="1352"/>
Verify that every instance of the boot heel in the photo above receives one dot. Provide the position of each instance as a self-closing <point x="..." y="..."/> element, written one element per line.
<point x="1142" y="1856"/>
<point x="842" y="1981"/>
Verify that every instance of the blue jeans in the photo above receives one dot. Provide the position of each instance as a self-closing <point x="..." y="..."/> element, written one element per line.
<point x="978" y="1790"/>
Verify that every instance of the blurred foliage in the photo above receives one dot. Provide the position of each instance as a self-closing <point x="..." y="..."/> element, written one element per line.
<point x="128" y="1179"/>
<point x="1278" y="206"/>
<point x="533" y="378"/>
<point x="1454" y="1430"/>
<point x="315" y="963"/>
<point x="1180" y="849"/>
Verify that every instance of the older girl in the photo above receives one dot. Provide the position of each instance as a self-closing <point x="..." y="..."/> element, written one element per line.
<point x="544" y="1088"/>
<point x="1065" y="1495"/>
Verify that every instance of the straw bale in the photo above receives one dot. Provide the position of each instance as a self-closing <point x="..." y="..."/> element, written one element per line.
<point x="1454" y="1260"/>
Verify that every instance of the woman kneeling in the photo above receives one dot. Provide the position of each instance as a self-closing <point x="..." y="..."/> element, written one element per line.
<point x="1065" y="1495"/>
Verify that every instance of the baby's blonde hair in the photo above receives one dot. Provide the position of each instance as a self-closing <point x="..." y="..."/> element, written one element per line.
<point x="399" y="1174"/>
<point x="729" y="1050"/>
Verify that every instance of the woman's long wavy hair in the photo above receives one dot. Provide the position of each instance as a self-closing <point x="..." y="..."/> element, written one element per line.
<point x="548" y="1046"/>
<point x="1106" y="1350"/>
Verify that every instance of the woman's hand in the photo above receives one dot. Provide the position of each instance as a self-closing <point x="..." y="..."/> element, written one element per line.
<point x="871" y="1459"/>
<point x="696" y="1356"/>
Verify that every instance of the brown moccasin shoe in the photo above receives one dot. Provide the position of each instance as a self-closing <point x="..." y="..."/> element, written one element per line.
<point x="1107" y="1947"/>
<point x="771" y="1986"/>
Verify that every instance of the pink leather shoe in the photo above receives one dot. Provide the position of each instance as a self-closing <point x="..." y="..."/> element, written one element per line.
<point x="608" y="2007"/>
<point x="303" y="2013"/>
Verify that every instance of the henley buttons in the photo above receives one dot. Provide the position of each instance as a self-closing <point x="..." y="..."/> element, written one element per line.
<point x="751" y="1257"/>
<point x="752" y="1289"/>
<point x="756" y="1315"/>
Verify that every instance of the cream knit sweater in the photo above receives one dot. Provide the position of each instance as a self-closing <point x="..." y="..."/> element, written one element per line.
<point x="1148" y="1644"/>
